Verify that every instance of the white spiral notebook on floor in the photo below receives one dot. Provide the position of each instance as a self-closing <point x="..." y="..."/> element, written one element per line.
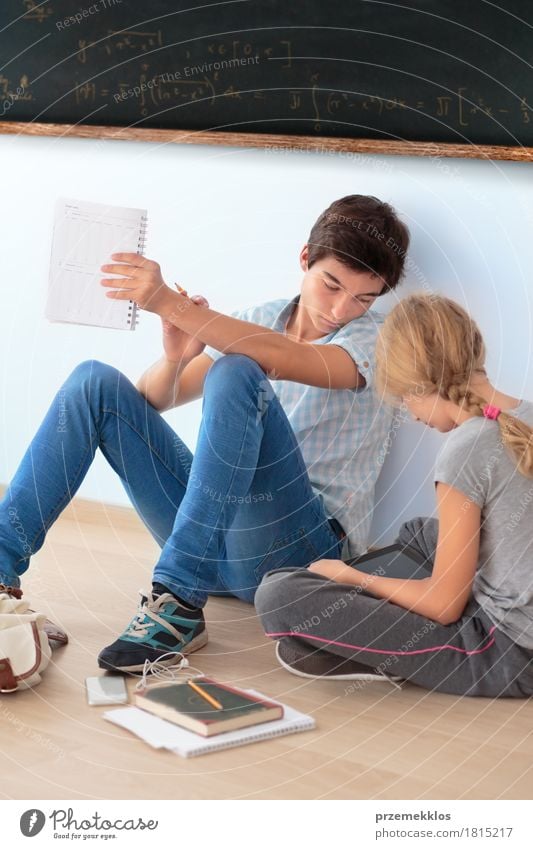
<point x="162" y="734"/>
<point x="85" y="235"/>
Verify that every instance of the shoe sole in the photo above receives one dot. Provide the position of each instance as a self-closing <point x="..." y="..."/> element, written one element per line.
<point x="197" y="643"/>
<point x="354" y="676"/>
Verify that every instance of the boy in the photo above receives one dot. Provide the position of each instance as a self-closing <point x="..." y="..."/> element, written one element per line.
<point x="285" y="464"/>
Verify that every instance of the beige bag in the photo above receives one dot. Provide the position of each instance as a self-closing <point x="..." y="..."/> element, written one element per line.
<point x="25" y="647"/>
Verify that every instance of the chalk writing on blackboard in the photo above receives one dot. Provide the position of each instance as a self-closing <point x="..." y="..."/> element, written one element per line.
<point x="37" y="11"/>
<point x="313" y="68"/>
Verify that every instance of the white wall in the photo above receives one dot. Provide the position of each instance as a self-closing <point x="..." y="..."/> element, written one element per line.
<point x="229" y="223"/>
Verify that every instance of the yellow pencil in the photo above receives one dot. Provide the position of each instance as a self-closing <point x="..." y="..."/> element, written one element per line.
<point x="204" y="695"/>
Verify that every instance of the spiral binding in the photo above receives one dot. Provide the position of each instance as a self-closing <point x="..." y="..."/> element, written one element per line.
<point x="133" y="310"/>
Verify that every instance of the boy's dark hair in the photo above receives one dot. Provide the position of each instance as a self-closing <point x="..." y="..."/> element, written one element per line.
<point x="363" y="233"/>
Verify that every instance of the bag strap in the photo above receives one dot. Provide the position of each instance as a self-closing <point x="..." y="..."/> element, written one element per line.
<point x="8" y="682"/>
<point x="55" y="633"/>
<point x="16" y="592"/>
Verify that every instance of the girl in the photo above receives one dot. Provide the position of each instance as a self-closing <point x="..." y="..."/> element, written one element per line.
<point x="280" y="468"/>
<point x="467" y="628"/>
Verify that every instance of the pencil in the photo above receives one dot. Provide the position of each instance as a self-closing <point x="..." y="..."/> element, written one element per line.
<point x="216" y="704"/>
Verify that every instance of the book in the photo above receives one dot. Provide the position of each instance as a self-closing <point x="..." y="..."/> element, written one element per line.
<point x="179" y="703"/>
<point x="161" y="734"/>
<point x="85" y="235"/>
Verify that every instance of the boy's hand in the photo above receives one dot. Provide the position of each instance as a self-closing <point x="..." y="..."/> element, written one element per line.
<point x="181" y="347"/>
<point x="142" y="283"/>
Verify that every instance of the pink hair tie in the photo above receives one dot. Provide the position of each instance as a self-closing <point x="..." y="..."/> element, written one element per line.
<point x="491" y="412"/>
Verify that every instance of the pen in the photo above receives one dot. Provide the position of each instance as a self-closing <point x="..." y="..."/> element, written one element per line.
<point x="216" y="704"/>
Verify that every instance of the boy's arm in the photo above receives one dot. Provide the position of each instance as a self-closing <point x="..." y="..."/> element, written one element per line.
<point x="327" y="366"/>
<point x="442" y="596"/>
<point x="166" y="385"/>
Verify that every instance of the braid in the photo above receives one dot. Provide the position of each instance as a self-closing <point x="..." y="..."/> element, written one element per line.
<point x="516" y="435"/>
<point x="462" y="395"/>
<point x="429" y="343"/>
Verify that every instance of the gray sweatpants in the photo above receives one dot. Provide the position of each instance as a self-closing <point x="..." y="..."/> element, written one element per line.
<point x="468" y="657"/>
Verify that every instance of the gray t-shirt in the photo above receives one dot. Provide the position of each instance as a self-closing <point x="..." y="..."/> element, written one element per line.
<point x="475" y="461"/>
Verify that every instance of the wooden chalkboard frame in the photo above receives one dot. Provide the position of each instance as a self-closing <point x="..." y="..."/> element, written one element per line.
<point x="272" y="141"/>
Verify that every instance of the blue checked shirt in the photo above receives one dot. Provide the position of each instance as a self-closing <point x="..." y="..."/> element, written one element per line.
<point x="341" y="432"/>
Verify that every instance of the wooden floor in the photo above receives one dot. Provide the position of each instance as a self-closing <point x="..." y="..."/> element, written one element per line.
<point x="376" y="742"/>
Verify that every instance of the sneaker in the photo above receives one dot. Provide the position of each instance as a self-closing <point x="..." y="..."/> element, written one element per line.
<point x="161" y="625"/>
<point x="299" y="659"/>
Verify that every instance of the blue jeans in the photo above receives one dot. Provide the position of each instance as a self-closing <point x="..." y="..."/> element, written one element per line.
<point x="241" y="507"/>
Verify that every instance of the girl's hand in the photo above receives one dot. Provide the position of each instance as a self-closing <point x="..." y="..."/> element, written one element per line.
<point x="180" y="347"/>
<point x="142" y="283"/>
<point x="335" y="570"/>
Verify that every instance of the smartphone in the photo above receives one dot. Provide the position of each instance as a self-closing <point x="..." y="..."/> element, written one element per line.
<point x="106" y="690"/>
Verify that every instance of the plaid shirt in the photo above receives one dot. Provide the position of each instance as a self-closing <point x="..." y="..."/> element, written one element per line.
<point x="341" y="432"/>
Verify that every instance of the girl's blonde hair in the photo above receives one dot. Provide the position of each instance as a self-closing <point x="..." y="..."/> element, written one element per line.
<point x="429" y="344"/>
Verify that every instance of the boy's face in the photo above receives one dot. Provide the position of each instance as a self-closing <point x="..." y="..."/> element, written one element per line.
<point x="333" y="294"/>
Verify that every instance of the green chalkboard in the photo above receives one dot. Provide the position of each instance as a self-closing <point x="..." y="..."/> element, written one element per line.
<point x="421" y="70"/>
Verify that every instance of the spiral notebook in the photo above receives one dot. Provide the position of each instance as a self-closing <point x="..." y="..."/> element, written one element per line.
<point x="85" y="235"/>
<point x="161" y="734"/>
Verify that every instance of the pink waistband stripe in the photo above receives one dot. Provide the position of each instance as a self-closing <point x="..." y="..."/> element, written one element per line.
<point x="307" y="636"/>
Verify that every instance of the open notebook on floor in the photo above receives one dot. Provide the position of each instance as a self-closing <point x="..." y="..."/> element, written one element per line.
<point x="162" y="734"/>
<point x="85" y="235"/>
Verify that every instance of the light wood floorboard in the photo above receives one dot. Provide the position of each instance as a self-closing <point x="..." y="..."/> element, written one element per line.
<point x="372" y="743"/>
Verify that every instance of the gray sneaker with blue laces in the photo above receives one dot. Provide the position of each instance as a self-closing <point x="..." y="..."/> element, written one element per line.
<point x="161" y="625"/>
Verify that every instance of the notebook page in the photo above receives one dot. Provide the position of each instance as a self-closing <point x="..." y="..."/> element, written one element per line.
<point x="85" y="235"/>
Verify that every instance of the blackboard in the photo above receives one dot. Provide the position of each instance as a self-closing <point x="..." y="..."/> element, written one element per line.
<point x="442" y="71"/>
